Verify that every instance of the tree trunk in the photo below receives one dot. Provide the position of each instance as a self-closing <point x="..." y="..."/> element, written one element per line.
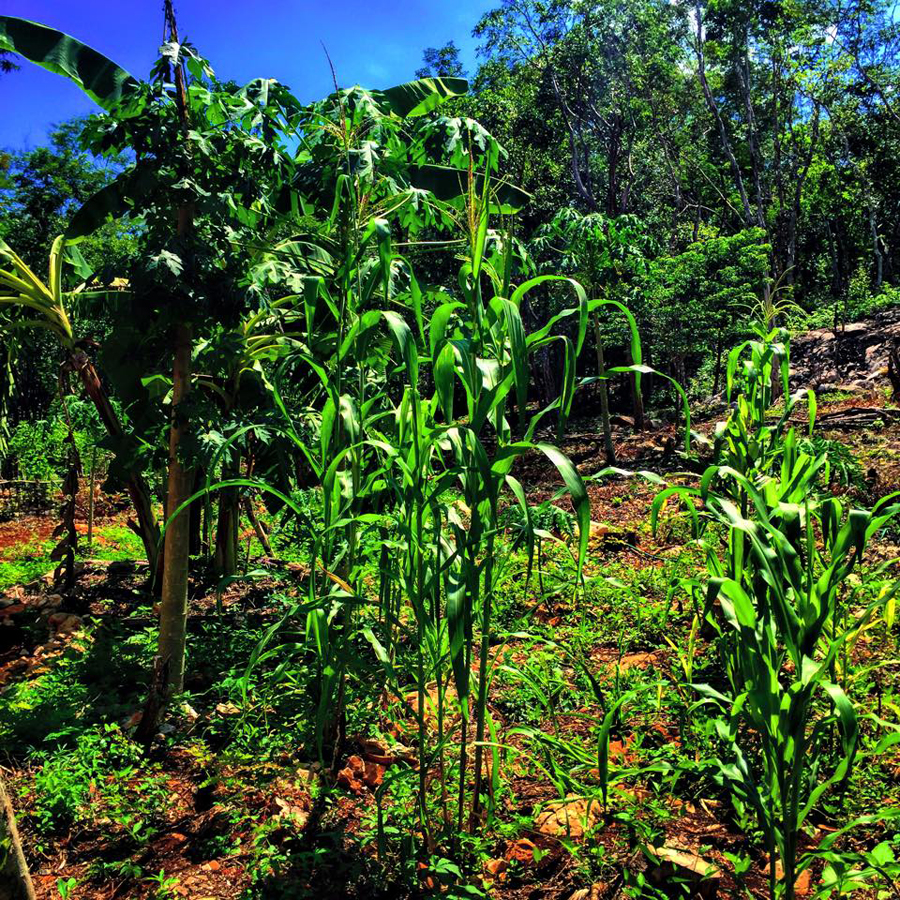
<point x="196" y="514"/>
<point x="15" y="882"/>
<point x="173" y="607"/>
<point x="876" y="249"/>
<point x="717" y="376"/>
<point x="146" y="525"/>
<point x="258" y="527"/>
<point x="637" y="404"/>
<point x="174" y="604"/>
<point x="604" y="397"/>
<point x="225" y="559"/>
<point x="717" y="115"/>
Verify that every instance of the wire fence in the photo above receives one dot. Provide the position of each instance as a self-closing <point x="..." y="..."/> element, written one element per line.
<point x="18" y="497"/>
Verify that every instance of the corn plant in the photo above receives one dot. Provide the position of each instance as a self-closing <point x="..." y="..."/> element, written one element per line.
<point x="753" y="440"/>
<point x="776" y="596"/>
<point x="778" y="591"/>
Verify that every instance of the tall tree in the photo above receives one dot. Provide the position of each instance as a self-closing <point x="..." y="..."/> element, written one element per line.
<point x="441" y="62"/>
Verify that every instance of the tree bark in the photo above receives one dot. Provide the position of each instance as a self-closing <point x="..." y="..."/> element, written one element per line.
<point x="258" y="527"/>
<point x="196" y="514"/>
<point x="225" y="561"/>
<point x="717" y="116"/>
<point x="174" y="604"/>
<point x="173" y="607"/>
<point x="638" y="404"/>
<point x="876" y="250"/>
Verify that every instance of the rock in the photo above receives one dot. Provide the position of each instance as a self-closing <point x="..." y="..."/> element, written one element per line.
<point x="358" y="775"/>
<point x="350" y="778"/>
<point x="384" y="754"/>
<point x="374" y="775"/>
<point x="624" y="421"/>
<point x="521" y="851"/>
<point x="64" y="623"/>
<point x="496" y="868"/>
<point x="594" y="892"/>
<point x="572" y="817"/>
<point x="289" y="811"/>
<point x="670" y="865"/>
<point x="50" y="601"/>
<point x="12" y="610"/>
<point x="853" y="357"/>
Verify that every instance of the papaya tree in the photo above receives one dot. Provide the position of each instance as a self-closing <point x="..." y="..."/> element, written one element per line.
<point x="200" y="183"/>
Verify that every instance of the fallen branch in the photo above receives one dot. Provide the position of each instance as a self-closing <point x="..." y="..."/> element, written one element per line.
<point x="852" y="417"/>
<point x="15" y="882"/>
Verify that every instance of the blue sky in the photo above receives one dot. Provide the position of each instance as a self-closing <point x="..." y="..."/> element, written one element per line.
<point x="374" y="43"/>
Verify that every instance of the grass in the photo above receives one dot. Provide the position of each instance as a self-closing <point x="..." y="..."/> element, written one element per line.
<point x="27" y="562"/>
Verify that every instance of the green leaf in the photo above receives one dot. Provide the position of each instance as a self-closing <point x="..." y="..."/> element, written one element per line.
<point x="448" y="184"/>
<point x="444" y="372"/>
<point x="603" y="741"/>
<point x="100" y="78"/>
<point x="519" y="352"/>
<point x="112" y="201"/>
<point x="578" y="493"/>
<point x="416" y="98"/>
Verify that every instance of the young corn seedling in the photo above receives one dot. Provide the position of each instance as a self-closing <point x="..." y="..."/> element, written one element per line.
<point x="778" y="593"/>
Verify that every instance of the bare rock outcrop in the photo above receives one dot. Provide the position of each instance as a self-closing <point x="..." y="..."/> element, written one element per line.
<point x="853" y="358"/>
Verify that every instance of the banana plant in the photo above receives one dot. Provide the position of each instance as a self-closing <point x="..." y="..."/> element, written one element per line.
<point x="104" y="81"/>
<point x="34" y="303"/>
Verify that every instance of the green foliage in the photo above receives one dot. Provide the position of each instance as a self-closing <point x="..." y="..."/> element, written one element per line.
<point x="96" y="783"/>
<point x="45" y="186"/>
<point x="781" y="609"/>
<point x="30" y="561"/>
<point x="38" y="448"/>
<point x="441" y="62"/>
<point x="92" y="682"/>
<point x="843" y="464"/>
<point x="701" y="299"/>
<point x="367" y="331"/>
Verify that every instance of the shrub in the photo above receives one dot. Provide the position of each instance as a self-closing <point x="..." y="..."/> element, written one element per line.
<point x="98" y="781"/>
